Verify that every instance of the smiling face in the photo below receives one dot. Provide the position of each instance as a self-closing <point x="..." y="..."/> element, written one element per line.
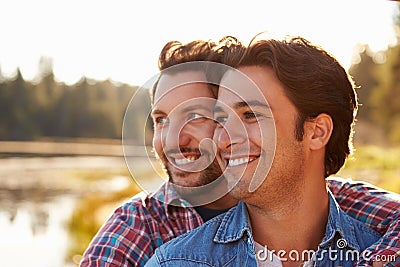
<point x="253" y="119"/>
<point x="183" y="128"/>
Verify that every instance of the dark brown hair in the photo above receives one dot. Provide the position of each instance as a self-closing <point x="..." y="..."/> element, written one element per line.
<point x="174" y="53"/>
<point x="315" y="83"/>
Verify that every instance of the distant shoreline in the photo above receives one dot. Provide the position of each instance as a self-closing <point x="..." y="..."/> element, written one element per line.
<point x="70" y="147"/>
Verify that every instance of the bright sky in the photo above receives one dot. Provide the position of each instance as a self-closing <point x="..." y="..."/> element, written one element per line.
<point x="121" y="39"/>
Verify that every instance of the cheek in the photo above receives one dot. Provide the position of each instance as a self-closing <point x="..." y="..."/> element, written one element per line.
<point x="202" y="130"/>
<point x="216" y="135"/>
<point x="157" y="143"/>
<point x="267" y="134"/>
<point x="254" y="134"/>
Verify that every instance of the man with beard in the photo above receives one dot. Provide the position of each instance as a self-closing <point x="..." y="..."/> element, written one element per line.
<point x="182" y="110"/>
<point x="285" y="118"/>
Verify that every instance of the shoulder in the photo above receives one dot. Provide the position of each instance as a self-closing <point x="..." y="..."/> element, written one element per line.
<point x="363" y="200"/>
<point x="204" y="232"/>
<point x="134" y="212"/>
<point x="364" y="235"/>
<point x="355" y="232"/>
<point x="127" y="236"/>
<point x="337" y="184"/>
<point x="199" y="245"/>
<point x="344" y="186"/>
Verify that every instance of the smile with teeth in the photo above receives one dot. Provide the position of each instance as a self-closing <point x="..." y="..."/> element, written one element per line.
<point x="240" y="161"/>
<point x="186" y="160"/>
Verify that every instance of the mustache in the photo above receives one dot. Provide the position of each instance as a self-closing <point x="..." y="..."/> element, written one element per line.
<point x="187" y="150"/>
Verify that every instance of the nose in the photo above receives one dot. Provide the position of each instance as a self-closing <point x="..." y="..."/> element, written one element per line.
<point x="176" y="135"/>
<point x="232" y="133"/>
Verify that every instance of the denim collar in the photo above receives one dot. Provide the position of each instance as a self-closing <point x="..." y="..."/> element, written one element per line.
<point x="339" y="223"/>
<point x="235" y="224"/>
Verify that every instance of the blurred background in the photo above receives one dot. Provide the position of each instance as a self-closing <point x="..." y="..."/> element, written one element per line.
<point x="68" y="70"/>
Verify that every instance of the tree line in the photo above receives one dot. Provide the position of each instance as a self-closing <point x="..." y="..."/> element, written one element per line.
<point x="377" y="76"/>
<point x="47" y="108"/>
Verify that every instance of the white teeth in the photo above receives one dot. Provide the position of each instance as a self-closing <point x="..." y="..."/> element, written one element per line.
<point x="235" y="162"/>
<point x="184" y="160"/>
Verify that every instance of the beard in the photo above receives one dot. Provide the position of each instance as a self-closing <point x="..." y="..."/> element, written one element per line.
<point x="181" y="177"/>
<point x="200" y="187"/>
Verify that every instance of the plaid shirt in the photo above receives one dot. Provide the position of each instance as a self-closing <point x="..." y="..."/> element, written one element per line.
<point x="376" y="208"/>
<point x="133" y="232"/>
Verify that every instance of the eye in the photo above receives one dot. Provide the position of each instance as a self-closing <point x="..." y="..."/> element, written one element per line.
<point x="160" y="121"/>
<point x="195" y="116"/>
<point x="252" y="115"/>
<point x="220" y="120"/>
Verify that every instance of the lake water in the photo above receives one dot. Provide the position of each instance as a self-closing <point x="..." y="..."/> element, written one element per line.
<point x="36" y="200"/>
<point x="34" y="233"/>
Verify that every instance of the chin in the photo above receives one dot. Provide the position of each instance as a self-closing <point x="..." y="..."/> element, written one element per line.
<point x="237" y="187"/>
<point x="185" y="179"/>
<point x="240" y="192"/>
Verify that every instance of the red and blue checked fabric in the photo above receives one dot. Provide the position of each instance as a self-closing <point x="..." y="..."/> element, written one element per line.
<point x="135" y="229"/>
<point x="376" y="208"/>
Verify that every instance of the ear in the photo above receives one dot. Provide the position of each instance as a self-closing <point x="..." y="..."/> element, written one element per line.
<point x="319" y="131"/>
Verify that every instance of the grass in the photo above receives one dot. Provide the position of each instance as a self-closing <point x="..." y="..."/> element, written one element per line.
<point x="377" y="165"/>
<point x="95" y="206"/>
<point x="91" y="212"/>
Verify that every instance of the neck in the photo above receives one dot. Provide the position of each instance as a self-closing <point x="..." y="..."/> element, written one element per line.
<point x="212" y="196"/>
<point x="294" y="225"/>
<point x="224" y="202"/>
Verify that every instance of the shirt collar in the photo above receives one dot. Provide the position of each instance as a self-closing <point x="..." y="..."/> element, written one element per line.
<point x="236" y="223"/>
<point x="170" y="199"/>
<point x="168" y="195"/>
<point x="339" y="223"/>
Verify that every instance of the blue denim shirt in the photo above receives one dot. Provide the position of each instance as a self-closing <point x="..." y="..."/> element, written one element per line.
<point x="226" y="240"/>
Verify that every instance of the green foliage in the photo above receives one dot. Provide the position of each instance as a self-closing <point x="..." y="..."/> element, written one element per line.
<point x="365" y="80"/>
<point x="375" y="164"/>
<point x="93" y="209"/>
<point x="51" y="109"/>
<point x="379" y="93"/>
<point x="378" y="74"/>
<point x="95" y="206"/>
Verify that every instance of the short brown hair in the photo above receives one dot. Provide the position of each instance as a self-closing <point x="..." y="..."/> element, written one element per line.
<point x="174" y="53"/>
<point x="315" y="83"/>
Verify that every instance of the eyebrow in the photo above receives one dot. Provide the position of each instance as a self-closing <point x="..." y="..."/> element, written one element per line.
<point x="243" y="104"/>
<point x="187" y="109"/>
<point x="217" y="109"/>
<point x="251" y="103"/>
<point x="157" y="111"/>
<point x="194" y="107"/>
